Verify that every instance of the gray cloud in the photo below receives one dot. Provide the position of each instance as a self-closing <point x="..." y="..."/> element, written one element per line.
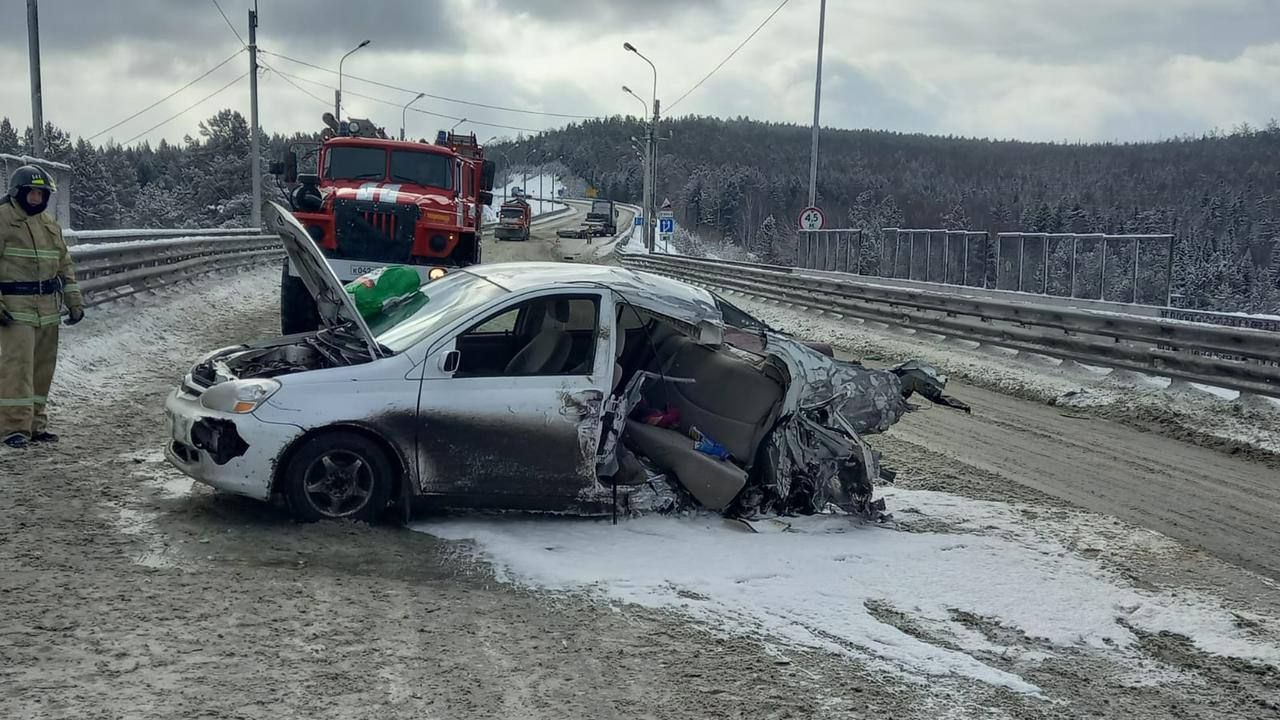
<point x="1034" y="69"/>
<point x="161" y="27"/>
<point x="609" y="15"/>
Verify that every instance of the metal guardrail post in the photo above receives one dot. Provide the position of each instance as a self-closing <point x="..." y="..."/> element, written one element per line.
<point x="1133" y="296"/>
<point x="1044" y="284"/>
<point x="1075" y="249"/>
<point x="1168" y="276"/>
<point x="1022" y="250"/>
<point x="1102" y="283"/>
<point x="946" y="258"/>
<point x="928" y="254"/>
<point x="897" y="247"/>
<point x="999" y="253"/>
<point x="911" y="256"/>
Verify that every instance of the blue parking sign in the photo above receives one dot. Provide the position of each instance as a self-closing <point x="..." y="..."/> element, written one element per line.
<point x="639" y="220"/>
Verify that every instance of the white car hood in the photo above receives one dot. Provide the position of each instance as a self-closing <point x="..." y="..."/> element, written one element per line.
<point x="336" y="307"/>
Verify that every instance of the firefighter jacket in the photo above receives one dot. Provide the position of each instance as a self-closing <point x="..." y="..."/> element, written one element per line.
<point x="32" y="251"/>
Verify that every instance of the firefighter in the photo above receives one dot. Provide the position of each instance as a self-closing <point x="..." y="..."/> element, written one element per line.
<point x="36" y="279"/>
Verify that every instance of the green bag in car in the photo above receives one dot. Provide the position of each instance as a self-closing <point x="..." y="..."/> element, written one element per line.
<point x="375" y="291"/>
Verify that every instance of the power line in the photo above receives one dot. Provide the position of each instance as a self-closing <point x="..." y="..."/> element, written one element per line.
<point x="228" y="21"/>
<point x="296" y="86"/>
<point x="425" y="94"/>
<point x="206" y="74"/>
<point x="186" y="110"/>
<point x="396" y="104"/>
<point x="730" y="56"/>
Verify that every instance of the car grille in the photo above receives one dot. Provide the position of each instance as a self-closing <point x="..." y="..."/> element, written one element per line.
<point x="374" y="231"/>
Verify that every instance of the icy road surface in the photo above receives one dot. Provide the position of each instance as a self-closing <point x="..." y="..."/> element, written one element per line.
<point x="833" y="585"/>
<point x="127" y="591"/>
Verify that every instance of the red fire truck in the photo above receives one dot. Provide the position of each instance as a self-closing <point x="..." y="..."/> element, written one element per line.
<point x="373" y="201"/>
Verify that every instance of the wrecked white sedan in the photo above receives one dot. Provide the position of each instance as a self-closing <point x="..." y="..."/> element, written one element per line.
<point x="534" y="386"/>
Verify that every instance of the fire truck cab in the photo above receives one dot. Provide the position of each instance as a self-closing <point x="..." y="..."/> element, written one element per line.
<point x="373" y="201"/>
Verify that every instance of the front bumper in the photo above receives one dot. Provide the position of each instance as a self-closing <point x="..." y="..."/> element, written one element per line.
<point x="233" y="453"/>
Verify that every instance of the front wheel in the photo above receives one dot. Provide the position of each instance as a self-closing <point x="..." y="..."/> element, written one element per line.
<point x="339" y="475"/>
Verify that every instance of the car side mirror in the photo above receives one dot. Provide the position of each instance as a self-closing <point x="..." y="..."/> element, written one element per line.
<point x="449" y="363"/>
<point x="486" y="198"/>
<point x="308" y="179"/>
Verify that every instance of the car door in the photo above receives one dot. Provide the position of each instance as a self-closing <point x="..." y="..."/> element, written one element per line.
<point x="509" y="411"/>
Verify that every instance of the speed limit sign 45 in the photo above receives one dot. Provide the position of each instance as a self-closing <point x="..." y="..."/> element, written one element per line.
<point x="811" y="218"/>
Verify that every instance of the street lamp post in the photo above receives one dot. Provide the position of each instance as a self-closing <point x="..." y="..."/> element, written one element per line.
<point x="337" y="97"/>
<point x="650" y="211"/>
<point x="645" y="165"/>
<point x="404" y="113"/>
<point x="455" y="125"/>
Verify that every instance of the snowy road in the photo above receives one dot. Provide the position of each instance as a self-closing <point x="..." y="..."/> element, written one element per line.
<point x="128" y="592"/>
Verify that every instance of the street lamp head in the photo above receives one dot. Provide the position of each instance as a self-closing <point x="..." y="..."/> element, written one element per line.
<point x="419" y="96"/>
<point x="626" y="89"/>
<point x="629" y="47"/>
<point x="366" y="42"/>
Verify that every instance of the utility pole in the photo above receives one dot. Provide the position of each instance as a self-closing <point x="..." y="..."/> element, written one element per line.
<point x="817" y="107"/>
<point x="255" y="152"/>
<point x="651" y="213"/>
<point x="37" y="101"/>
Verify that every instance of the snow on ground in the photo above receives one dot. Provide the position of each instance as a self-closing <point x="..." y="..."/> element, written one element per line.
<point x="1218" y="414"/>
<point x="827" y="583"/>
<point x="97" y="357"/>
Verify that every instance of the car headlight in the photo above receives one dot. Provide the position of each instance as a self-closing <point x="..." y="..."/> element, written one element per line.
<point x="436" y="273"/>
<point x="239" y="396"/>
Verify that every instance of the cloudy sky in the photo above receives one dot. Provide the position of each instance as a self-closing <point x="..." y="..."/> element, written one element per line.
<point x="1027" y="69"/>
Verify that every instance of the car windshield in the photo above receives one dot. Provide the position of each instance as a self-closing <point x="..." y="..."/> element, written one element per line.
<point x="438" y="304"/>
<point x="355" y="163"/>
<point x="422" y="168"/>
<point x="512" y="213"/>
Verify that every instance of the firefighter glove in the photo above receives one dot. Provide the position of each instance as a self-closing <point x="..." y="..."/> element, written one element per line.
<point x="76" y="315"/>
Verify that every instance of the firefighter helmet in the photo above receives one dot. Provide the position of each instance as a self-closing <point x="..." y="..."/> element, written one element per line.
<point x="30" y="177"/>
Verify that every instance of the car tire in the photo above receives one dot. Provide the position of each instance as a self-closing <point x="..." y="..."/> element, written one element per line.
<point x="339" y="475"/>
<point x="298" y="313"/>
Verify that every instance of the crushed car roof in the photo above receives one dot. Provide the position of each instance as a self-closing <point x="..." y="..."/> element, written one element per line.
<point x="645" y="290"/>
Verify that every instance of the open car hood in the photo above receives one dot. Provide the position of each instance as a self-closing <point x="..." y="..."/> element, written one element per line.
<point x="337" y="309"/>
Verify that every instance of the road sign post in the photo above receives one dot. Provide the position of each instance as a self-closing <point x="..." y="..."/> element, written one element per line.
<point x="812" y="218"/>
<point x="666" y="226"/>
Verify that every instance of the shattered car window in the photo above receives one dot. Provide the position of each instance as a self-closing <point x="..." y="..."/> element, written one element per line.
<point x="450" y="298"/>
<point x="735" y="316"/>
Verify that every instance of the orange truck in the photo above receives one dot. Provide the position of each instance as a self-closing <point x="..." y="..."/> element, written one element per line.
<point x="514" y="218"/>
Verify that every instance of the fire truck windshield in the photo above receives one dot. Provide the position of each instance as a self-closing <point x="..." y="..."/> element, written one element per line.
<point x="368" y="163"/>
<point x="422" y="168"/>
<point x="355" y="163"/>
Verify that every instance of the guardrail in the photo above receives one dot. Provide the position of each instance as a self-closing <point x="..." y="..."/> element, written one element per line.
<point x="84" y="237"/>
<point x="131" y="262"/>
<point x="1228" y="357"/>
